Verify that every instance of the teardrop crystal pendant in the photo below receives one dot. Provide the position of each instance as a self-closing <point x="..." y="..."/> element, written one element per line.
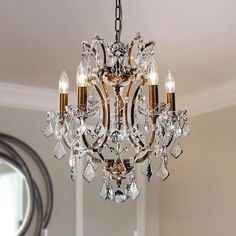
<point x="59" y="151"/>
<point x="106" y="192"/>
<point x="81" y="127"/>
<point x="47" y="130"/>
<point x="103" y="192"/>
<point x="119" y="196"/>
<point x="176" y="150"/>
<point x="162" y="172"/>
<point x="89" y="172"/>
<point x="146" y="169"/>
<point x="58" y="130"/>
<point x="178" y="131"/>
<point x="186" y="130"/>
<point x="132" y="191"/>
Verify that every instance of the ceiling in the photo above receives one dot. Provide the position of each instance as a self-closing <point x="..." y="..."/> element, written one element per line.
<point x="196" y="39"/>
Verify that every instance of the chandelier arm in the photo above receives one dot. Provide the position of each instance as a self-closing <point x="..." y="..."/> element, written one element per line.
<point x="104" y="96"/>
<point x="101" y="43"/>
<point x="104" y="110"/>
<point x="132" y="111"/>
<point x="142" y="159"/>
<point x="101" y="159"/>
<point x="95" y="145"/>
<point x="104" y="87"/>
<point x="104" y="53"/>
<point x="130" y="51"/>
<point x="152" y="139"/>
<point x="126" y="114"/>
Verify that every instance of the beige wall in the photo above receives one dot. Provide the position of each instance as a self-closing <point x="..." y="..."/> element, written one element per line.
<point x="26" y="125"/>
<point x="199" y="198"/>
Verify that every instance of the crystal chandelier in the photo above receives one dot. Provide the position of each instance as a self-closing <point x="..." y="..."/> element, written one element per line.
<point x="114" y="125"/>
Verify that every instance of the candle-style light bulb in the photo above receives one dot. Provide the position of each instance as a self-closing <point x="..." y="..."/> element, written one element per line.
<point x="63" y="89"/>
<point x="170" y="83"/>
<point x="153" y="76"/>
<point x="64" y="83"/>
<point x="82" y="75"/>
<point x="170" y="90"/>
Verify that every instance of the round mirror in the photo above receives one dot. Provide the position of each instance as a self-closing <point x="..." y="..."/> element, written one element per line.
<point x="14" y="199"/>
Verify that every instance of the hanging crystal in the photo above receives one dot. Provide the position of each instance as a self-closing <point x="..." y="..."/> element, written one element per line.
<point x="103" y="193"/>
<point x="58" y="130"/>
<point x="186" y="130"/>
<point x="178" y="131"/>
<point x="99" y="129"/>
<point x="59" y="151"/>
<point x="146" y="169"/>
<point x="89" y="172"/>
<point x="132" y="191"/>
<point x="48" y="130"/>
<point x="176" y="149"/>
<point x="162" y="172"/>
<point x="119" y="196"/>
<point x="81" y="127"/>
<point x="106" y="192"/>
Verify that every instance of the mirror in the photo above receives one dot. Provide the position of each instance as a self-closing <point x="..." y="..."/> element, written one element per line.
<point x="14" y="199"/>
<point x="25" y="208"/>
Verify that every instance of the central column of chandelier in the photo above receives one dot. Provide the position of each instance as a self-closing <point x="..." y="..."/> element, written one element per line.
<point x="114" y="124"/>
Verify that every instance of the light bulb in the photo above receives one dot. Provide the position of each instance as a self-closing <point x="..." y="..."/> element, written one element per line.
<point x="64" y="83"/>
<point x="170" y="83"/>
<point x="82" y="75"/>
<point x="153" y="77"/>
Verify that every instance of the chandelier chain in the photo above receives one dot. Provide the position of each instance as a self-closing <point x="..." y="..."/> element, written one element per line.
<point x="118" y="20"/>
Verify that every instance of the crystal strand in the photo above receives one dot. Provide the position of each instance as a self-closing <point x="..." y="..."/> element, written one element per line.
<point x="89" y="172"/>
<point x="176" y="149"/>
<point x="48" y="130"/>
<point x="59" y="151"/>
